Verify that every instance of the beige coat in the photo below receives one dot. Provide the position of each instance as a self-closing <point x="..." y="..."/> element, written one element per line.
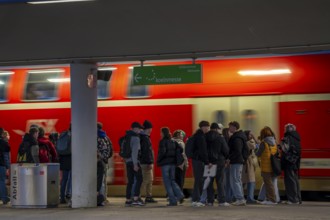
<point x="249" y="168"/>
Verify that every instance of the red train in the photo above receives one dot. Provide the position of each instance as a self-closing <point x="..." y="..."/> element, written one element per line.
<point x="254" y="91"/>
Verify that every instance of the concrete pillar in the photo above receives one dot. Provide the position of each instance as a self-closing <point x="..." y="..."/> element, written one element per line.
<point x="84" y="136"/>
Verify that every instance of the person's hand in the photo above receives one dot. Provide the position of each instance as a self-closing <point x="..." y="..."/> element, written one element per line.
<point x="136" y="168"/>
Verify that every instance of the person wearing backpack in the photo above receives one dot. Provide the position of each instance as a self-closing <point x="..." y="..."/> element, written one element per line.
<point x="199" y="159"/>
<point x="291" y="164"/>
<point x="236" y="143"/>
<point x="47" y="152"/>
<point x="28" y="151"/>
<point x="65" y="161"/>
<point x="147" y="161"/>
<point x="104" y="147"/>
<point x="131" y="142"/>
<point x="169" y="157"/>
<point x="266" y="148"/>
<point x="180" y="173"/>
<point x="4" y="165"/>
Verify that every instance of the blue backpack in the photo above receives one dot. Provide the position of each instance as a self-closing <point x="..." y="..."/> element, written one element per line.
<point x="63" y="145"/>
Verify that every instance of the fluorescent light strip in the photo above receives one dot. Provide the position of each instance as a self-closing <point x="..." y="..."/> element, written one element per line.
<point x="6" y="72"/>
<point x="145" y="65"/>
<point x="47" y="71"/>
<point x="105" y="68"/>
<point x="1" y="82"/>
<point x="264" y="72"/>
<point x="58" y="80"/>
<point x="57" y="1"/>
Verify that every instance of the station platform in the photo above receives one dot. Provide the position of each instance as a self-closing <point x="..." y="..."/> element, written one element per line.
<point x="159" y="211"/>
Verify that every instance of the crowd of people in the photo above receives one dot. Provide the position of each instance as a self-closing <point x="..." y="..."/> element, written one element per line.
<point x="229" y="156"/>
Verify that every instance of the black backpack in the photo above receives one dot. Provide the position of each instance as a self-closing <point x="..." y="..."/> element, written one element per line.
<point x="24" y="153"/>
<point x="125" y="147"/>
<point x="190" y="147"/>
<point x="63" y="145"/>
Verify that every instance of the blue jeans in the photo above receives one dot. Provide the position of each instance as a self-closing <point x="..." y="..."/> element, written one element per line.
<point x="262" y="192"/>
<point x="66" y="183"/>
<point x="228" y="194"/>
<point x="173" y="190"/>
<point x="250" y="191"/>
<point x="3" y="189"/>
<point x="236" y="181"/>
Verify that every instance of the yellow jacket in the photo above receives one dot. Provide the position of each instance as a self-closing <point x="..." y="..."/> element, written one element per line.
<point x="265" y="164"/>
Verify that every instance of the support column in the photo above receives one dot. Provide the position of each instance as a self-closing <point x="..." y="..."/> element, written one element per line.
<point x="84" y="136"/>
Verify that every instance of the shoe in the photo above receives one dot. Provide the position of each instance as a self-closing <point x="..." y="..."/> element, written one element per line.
<point x="268" y="203"/>
<point x="6" y="201"/>
<point x="252" y="202"/>
<point x="197" y="204"/>
<point x="62" y="201"/>
<point x="291" y="203"/>
<point x="172" y="204"/>
<point x="150" y="200"/>
<point x="239" y="202"/>
<point x="181" y="200"/>
<point x="209" y="204"/>
<point x="68" y="196"/>
<point x="128" y="203"/>
<point x="101" y="204"/>
<point x="138" y="202"/>
<point x="224" y="204"/>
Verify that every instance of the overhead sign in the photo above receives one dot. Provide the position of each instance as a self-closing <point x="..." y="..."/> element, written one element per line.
<point x="175" y="74"/>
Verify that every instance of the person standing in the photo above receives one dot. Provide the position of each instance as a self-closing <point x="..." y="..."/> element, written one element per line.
<point x="236" y="144"/>
<point x="249" y="168"/>
<point x="47" y="151"/>
<point x="199" y="159"/>
<point x="180" y="172"/>
<point x="133" y="166"/>
<point x="4" y="165"/>
<point x="291" y="164"/>
<point x="147" y="161"/>
<point x="28" y="151"/>
<point x="266" y="148"/>
<point x="169" y="153"/>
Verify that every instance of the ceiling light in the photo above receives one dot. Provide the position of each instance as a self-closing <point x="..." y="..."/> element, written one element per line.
<point x="47" y="71"/>
<point x="58" y="80"/>
<point x="106" y="68"/>
<point x="264" y="72"/>
<point x="6" y="72"/>
<point x="56" y="1"/>
<point x="1" y="82"/>
<point x="145" y="65"/>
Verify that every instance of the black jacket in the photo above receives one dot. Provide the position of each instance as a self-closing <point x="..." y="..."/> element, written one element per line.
<point x="65" y="162"/>
<point x="217" y="147"/>
<point x="236" y="144"/>
<point x="294" y="151"/>
<point x="4" y="148"/>
<point x="147" y="154"/>
<point x="168" y="152"/>
<point x="200" y="152"/>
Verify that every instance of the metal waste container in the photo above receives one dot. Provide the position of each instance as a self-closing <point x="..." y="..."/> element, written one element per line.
<point x="34" y="185"/>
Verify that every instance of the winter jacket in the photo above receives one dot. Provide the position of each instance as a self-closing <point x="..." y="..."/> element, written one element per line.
<point x="266" y="148"/>
<point x="249" y="168"/>
<point x="65" y="162"/>
<point x="182" y="145"/>
<point x="236" y="143"/>
<point x="135" y="147"/>
<point x="32" y="148"/>
<point x="104" y="145"/>
<point x="147" y="153"/>
<point x="217" y="147"/>
<point x="42" y="141"/>
<point x="4" y="149"/>
<point x="168" y="152"/>
<point x="200" y="152"/>
<point x="294" y="151"/>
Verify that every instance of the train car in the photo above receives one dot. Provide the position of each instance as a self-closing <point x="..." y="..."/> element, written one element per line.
<point x="256" y="92"/>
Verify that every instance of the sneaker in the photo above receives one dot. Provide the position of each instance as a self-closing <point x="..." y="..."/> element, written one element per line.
<point x="198" y="204"/>
<point x="252" y="202"/>
<point x="268" y="203"/>
<point x="209" y="204"/>
<point x="138" y="202"/>
<point x="181" y="200"/>
<point x="291" y="203"/>
<point x="239" y="202"/>
<point x="150" y="200"/>
<point x="224" y="204"/>
<point x="62" y="201"/>
<point x="6" y="201"/>
<point x="172" y="204"/>
<point x="128" y="203"/>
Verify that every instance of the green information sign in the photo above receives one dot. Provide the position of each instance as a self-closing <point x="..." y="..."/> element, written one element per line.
<point x="175" y="74"/>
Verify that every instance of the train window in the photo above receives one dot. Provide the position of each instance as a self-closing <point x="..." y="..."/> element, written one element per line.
<point x="250" y="120"/>
<point x="103" y="89"/>
<point x="42" y="85"/>
<point x="136" y="91"/>
<point x="4" y="78"/>
<point x="220" y="117"/>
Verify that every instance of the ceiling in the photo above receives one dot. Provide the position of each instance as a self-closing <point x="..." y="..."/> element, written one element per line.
<point x="124" y="30"/>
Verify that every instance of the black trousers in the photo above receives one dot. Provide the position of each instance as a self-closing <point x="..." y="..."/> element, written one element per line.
<point x="220" y="181"/>
<point x="198" y="170"/>
<point x="292" y="185"/>
<point x="134" y="179"/>
<point x="180" y="176"/>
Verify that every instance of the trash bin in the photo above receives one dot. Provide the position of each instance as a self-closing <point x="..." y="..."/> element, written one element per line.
<point x="35" y="185"/>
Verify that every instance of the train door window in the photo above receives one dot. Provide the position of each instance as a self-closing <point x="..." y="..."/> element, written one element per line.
<point x="250" y="120"/>
<point x="136" y="91"/>
<point x="4" y="78"/>
<point x="42" y="85"/>
<point x="220" y="117"/>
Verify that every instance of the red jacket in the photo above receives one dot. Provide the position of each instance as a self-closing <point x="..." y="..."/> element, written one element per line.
<point x="46" y="154"/>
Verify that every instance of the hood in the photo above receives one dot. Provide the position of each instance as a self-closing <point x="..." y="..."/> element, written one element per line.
<point x="199" y="132"/>
<point x="270" y="140"/>
<point x="143" y="134"/>
<point x="211" y="136"/>
<point x="101" y="133"/>
<point x="293" y="134"/>
<point x="43" y="140"/>
<point x="132" y="133"/>
<point x="239" y="134"/>
<point x="178" y="140"/>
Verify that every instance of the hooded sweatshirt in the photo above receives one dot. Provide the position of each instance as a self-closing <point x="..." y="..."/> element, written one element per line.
<point x="270" y="141"/>
<point x="135" y="147"/>
<point x="217" y="148"/>
<point x="236" y="144"/>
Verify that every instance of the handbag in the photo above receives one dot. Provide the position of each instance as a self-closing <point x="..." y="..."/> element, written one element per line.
<point x="275" y="161"/>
